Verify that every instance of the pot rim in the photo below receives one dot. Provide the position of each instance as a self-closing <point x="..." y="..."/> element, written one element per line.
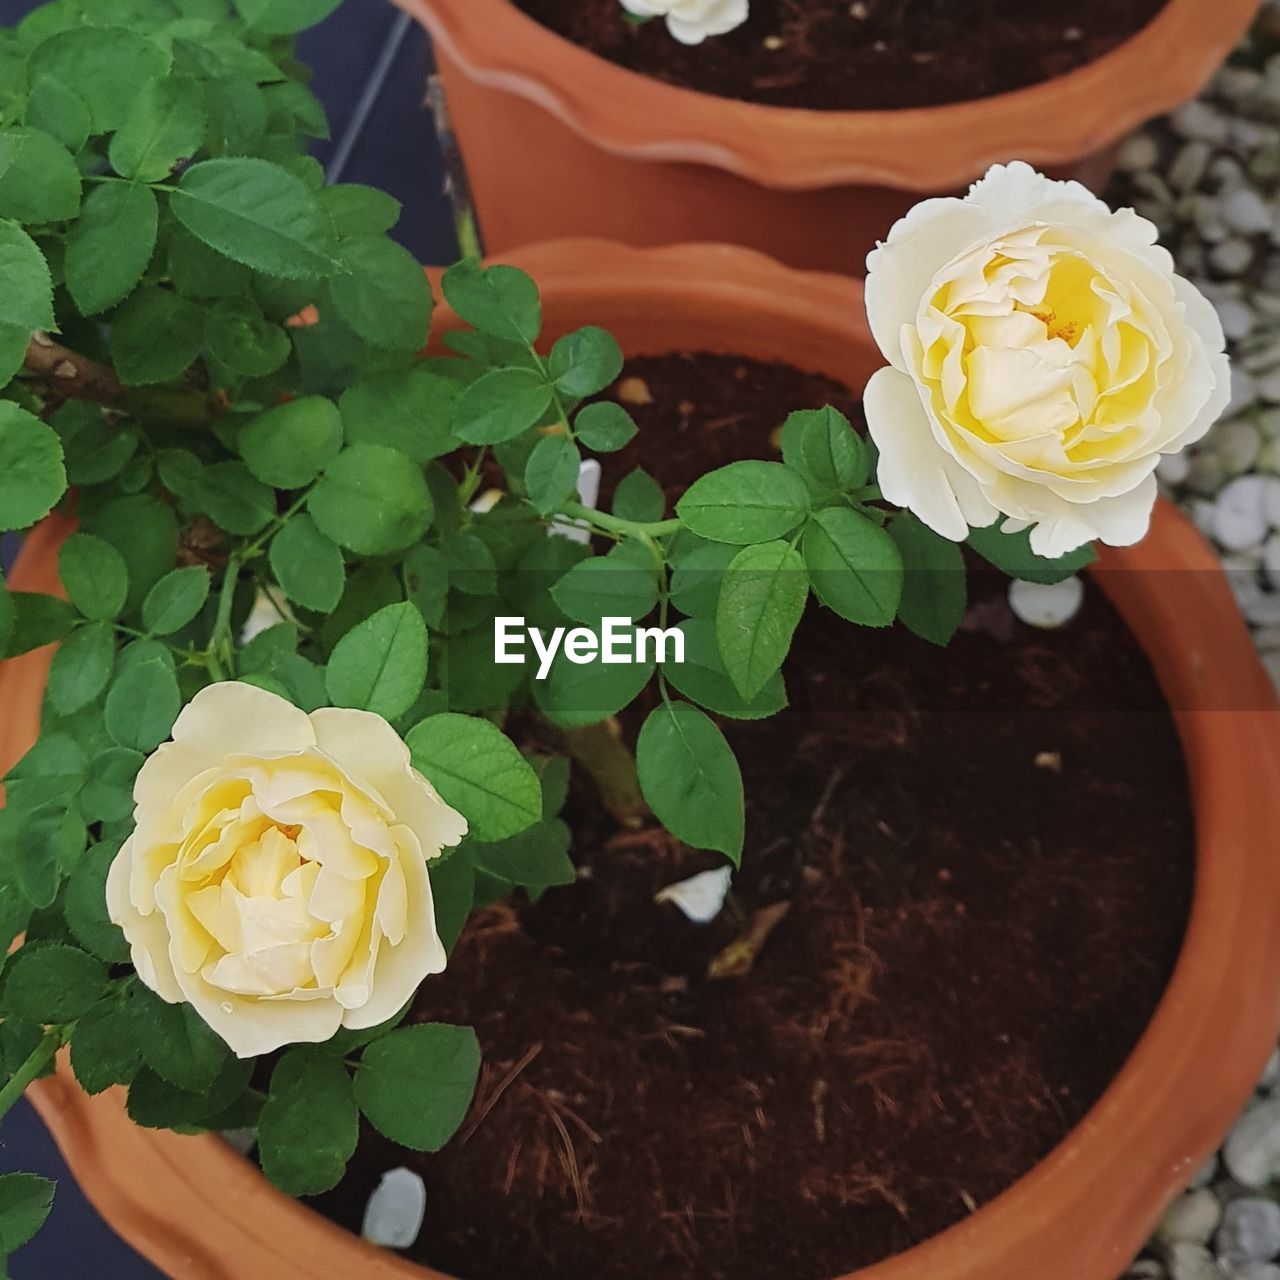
<point x="1051" y="123"/>
<point x="199" y="1210"/>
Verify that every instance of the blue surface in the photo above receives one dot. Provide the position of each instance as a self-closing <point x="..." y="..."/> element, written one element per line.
<point x="393" y="148"/>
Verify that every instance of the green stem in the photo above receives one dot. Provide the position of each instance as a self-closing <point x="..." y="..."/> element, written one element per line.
<point x="616" y="524"/>
<point x="37" y="1060"/>
<point x="471" y="479"/>
<point x="221" y="651"/>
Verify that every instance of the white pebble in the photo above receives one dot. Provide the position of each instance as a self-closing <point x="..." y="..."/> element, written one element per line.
<point x="1193" y="1217"/>
<point x="1199" y="120"/>
<point x="701" y="897"/>
<point x="1232" y="257"/>
<point x="393" y="1216"/>
<point x="1238" y="444"/>
<point x="1241" y="517"/>
<point x="1189" y="165"/>
<point x="1269" y="387"/>
<point x="1271" y="661"/>
<point x="1205" y="473"/>
<point x="1144" y="1269"/>
<point x="1173" y="468"/>
<point x="1270" y="1077"/>
<point x="1046" y="606"/>
<point x="1244" y="391"/>
<point x="1202" y="513"/>
<point x="1141" y="151"/>
<point x="1206" y="1173"/>
<point x="1252" y="1148"/>
<point x="1271" y="500"/>
<point x="1250" y="1231"/>
<point x="1247" y="212"/>
<point x="1237" y="318"/>
<point x="1255" y="1271"/>
<point x="1191" y="1262"/>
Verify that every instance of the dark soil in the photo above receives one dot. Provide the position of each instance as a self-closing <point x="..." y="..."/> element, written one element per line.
<point x="857" y="55"/>
<point x="977" y="865"/>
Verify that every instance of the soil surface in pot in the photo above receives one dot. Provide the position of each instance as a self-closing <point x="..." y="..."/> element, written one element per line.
<point x="860" y="55"/>
<point x="970" y="870"/>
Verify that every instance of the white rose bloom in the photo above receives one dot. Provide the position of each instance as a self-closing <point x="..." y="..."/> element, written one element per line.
<point x="692" y="21"/>
<point x="1043" y="356"/>
<point x="276" y="878"/>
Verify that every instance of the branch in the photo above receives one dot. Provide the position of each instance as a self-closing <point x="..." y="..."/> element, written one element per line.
<point x="73" y="376"/>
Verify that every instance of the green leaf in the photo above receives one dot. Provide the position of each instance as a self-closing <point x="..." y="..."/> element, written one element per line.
<point x="604" y="426"/>
<point x="104" y="1047"/>
<point x="381" y="664"/>
<point x="175" y="600"/>
<point x="8" y="615"/>
<point x="500" y="405"/>
<point x="37" y="620"/>
<point x="32" y="474"/>
<point x="761" y="600"/>
<point x="233" y="499"/>
<point x="385" y="297"/>
<point x="94" y="575"/>
<point x="855" y="566"/>
<point x="469" y="564"/>
<point x="85" y="899"/>
<point x="411" y="411"/>
<point x="243" y="340"/>
<point x="477" y="769"/>
<point x="142" y="705"/>
<point x="604" y="587"/>
<point x="585" y="362"/>
<point x="107" y="795"/>
<point x="703" y="679"/>
<point x="934" y="591"/>
<point x="453" y="892"/>
<point x="745" y="502"/>
<point x="308" y="566"/>
<point x="426" y="580"/>
<point x="288" y="446"/>
<point x="537" y="858"/>
<point x="416" y="1084"/>
<point x="177" y="1044"/>
<point x="60" y="111"/>
<point x="25" y="1201"/>
<point x="50" y="982"/>
<point x="639" y="497"/>
<point x="690" y="779"/>
<point x="581" y="693"/>
<point x="164" y="126"/>
<point x="698" y="575"/>
<point x="309" y="1125"/>
<point x="824" y="448"/>
<point x="283" y="17"/>
<point x="358" y="210"/>
<point x="110" y="245"/>
<point x="145" y="532"/>
<point x="154" y="1103"/>
<point x="551" y="474"/>
<point x="107" y="66"/>
<point x="42" y="184"/>
<point x="155" y="337"/>
<point x="372" y="500"/>
<point x="1011" y="553"/>
<point x="500" y="301"/>
<point x="256" y="213"/>
<point x="26" y="302"/>
<point x="81" y="668"/>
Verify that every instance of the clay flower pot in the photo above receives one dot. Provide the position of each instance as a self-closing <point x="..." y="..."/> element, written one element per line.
<point x="197" y="1209"/>
<point x="560" y="142"/>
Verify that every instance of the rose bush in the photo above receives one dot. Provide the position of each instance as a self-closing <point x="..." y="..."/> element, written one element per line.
<point x="277" y="875"/>
<point x="1043" y="356"/>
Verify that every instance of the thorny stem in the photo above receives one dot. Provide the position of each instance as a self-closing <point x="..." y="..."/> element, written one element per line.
<point x="616" y="524"/>
<point x="221" y="651"/>
<point x="37" y="1060"/>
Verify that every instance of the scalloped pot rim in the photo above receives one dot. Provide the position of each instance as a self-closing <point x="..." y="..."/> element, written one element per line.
<point x="198" y="1210"/>
<point x="920" y="149"/>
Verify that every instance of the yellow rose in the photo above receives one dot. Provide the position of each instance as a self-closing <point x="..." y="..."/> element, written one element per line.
<point x="1043" y="355"/>
<point x="277" y="877"/>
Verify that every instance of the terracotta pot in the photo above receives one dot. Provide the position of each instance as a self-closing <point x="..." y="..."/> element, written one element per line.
<point x="560" y="142"/>
<point x="201" y="1212"/>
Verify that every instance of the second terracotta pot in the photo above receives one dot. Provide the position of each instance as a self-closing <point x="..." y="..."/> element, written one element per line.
<point x="202" y="1212"/>
<point x="559" y="142"/>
